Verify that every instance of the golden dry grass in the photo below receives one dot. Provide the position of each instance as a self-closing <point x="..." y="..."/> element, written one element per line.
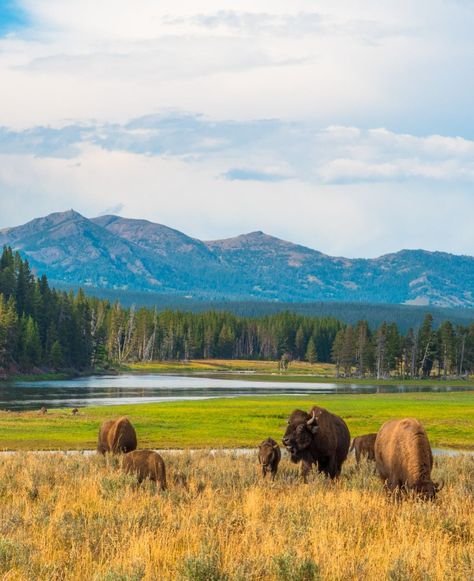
<point x="79" y="517"/>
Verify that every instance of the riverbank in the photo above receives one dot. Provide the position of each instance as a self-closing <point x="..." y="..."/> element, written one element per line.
<point x="246" y="370"/>
<point x="239" y="422"/>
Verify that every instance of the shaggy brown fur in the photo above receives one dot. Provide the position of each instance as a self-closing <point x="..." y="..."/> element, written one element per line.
<point x="403" y="458"/>
<point x="74" y="411"/>
<point x="269" y="456"/>
<point x="364" y="446"/>
<point x="117" y="436"/>
<point x="146" y="464"/>
<point x="319" y="437"/>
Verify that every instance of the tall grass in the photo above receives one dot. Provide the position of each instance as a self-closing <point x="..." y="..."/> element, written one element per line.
<point x="81" y="517"/>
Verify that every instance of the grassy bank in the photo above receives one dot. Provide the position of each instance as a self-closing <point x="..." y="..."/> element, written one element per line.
<point x="300" y="371"/>
<point x="239" y="422"/>
<point x="205" y="365"/>
<point x="75" y="518"/>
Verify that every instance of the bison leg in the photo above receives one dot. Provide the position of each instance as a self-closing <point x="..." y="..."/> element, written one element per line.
<point x="357" y="455"/>
<point x="273" y="474"/>
<point x="329" y="468"/>
<point x="264" y="471"/>
<point x="305" y="470"/>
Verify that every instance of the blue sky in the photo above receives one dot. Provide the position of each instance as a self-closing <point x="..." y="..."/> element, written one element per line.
<point x="12" y="17"/>
<point x="343" y="126"/>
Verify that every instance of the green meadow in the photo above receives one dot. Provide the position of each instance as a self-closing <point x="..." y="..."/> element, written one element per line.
<point x="239" y="422"/>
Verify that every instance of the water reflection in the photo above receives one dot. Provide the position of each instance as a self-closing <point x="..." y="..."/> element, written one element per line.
<point x="127" y="389"/>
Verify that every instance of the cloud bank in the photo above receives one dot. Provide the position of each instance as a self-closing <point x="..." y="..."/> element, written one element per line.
<point x="344" y="126"/>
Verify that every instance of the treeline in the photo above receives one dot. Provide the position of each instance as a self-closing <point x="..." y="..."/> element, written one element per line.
<point x="44" y="327"/>
<point x="422" y="352"/>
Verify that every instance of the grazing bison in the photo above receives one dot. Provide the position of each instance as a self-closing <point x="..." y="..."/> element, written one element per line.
<point x="269" y="456"/>
<point x="117" y="436"/>
<point x="364" y="446"/>
<point x="43" y="410"/>
<point x="74" y="411"/>
<point x="319" y="437"/>
<point x="146" y="464"/>
<point x="403" y="458"/>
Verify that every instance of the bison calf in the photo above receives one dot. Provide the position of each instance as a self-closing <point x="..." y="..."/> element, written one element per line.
<point x="269" y="456"/>
<point x="146" y="464"/>
<point x="364" y="446"/>
<point x="117" y="436"/>
<point x="404" y="460"/>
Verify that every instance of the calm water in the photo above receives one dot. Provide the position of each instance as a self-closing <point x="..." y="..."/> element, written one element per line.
<point x="123" y="389"/>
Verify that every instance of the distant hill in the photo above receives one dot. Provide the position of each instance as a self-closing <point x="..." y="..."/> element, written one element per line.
<point x="405" y="316"/>
<point x="110" y="252"/>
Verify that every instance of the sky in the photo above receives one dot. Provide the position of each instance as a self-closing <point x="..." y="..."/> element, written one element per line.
<point x="343" y="126"/>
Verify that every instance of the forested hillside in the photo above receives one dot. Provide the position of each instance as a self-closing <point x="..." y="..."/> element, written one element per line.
<point x="405" y="316"/>
<point x="47" y="328"/>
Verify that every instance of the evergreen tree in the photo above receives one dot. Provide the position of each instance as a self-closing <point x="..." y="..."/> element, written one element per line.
<point x="311" y="355"/>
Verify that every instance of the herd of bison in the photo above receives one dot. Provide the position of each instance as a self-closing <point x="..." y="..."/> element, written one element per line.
<point x="401" y="451"/>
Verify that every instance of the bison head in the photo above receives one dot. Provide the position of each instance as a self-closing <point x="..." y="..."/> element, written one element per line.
<point x="266" y="453"/>
<point x="299" y="433"/>
<point x="428" y="489"/>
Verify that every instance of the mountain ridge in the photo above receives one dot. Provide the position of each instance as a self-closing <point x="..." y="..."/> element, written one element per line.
<point x="137" y="254"/>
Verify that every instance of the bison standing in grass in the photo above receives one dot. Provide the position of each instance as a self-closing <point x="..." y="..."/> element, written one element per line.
<point x="117" y="436"/>
<point x="364" y="446"/>
<point x="146" y="464"/>
<point x="319" y="437"/>
<point x="404" y="460"/>
<point x="269" y="456"/>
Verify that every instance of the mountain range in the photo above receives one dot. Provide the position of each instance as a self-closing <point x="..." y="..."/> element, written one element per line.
<point x="138" y="255"/>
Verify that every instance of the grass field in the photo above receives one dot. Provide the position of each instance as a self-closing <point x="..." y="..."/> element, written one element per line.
<point x="80" y="518"/>
<point x="239" y="422"/>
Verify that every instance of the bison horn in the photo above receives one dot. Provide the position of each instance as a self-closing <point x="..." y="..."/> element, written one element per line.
<point x="313" y="417"/>
<point x="276" y="446"/>
<point x="439" y="485"/>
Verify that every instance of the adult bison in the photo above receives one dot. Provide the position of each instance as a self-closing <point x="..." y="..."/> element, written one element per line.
<point x="117" y="436"/>
<point x="146" y="464"/>
<point x="404" y="460"/>
<point x="269" y="456"/>
<point x="319" y="437"/>
<point x="364" y="446"/>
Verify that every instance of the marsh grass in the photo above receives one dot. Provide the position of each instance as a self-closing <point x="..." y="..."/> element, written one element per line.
<point x="79" y="517"/>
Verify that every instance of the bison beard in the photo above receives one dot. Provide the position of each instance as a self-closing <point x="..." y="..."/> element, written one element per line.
<point x="319" y="437"/>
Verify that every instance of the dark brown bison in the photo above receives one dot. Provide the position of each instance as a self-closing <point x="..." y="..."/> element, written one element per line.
<point x="74" y="411"/>
<point x="403" y="458"/>
<point x="364" y="446"/>
<point x="269" y="456"/>
<point x="146" y="464"/>
<point x="319" y="437"/>
<point x="117" y="436"/>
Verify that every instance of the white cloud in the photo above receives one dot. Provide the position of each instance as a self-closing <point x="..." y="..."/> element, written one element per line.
<point x="396" y="64"/>
<point x="353" y="220"/>
<point x="364" y="108"/>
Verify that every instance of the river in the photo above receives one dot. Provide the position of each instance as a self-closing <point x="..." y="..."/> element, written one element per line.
<point x="144" y="388"/>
